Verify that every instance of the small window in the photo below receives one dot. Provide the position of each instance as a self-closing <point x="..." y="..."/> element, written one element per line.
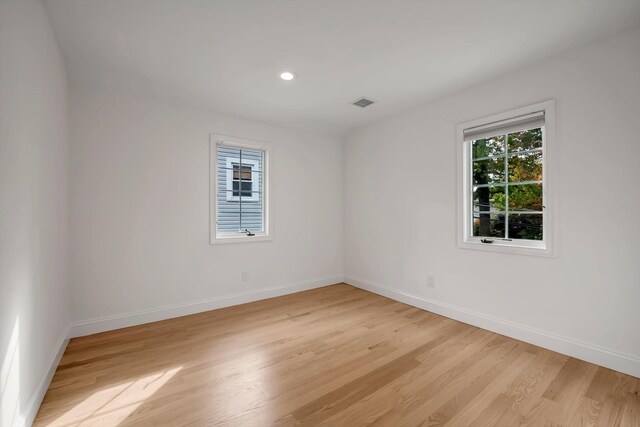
<point x="505" y="200"/>
<point x="239" y="183"/>
<point x="241" y="174"/>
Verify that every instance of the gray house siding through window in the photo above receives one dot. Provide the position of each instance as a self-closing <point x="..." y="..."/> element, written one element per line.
<point x="239" y="205"/>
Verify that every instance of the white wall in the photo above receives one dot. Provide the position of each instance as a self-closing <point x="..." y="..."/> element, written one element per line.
<point x="33" y="208"/>
<point x="140" y="212"/>
<point x="400" y="212"/>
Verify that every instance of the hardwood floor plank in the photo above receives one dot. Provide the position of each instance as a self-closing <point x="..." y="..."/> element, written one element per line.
<point x="487" y="386"/>
<point x="568" y="388"/>
<point x="524" y="393"/>
<point x="588" y="413"/>
<point x="631" y="411"/>
<point x="497" y="385"/>
<point x="385" y="403"/>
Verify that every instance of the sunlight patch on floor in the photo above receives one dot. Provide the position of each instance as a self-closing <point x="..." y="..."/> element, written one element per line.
<point x="113" y="405"/>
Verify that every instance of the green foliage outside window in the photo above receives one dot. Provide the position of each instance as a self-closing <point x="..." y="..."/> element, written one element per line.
<point x="507" y="187"/>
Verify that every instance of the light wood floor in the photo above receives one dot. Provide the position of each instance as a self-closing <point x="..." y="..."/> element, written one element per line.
<point x="331" y="356"/>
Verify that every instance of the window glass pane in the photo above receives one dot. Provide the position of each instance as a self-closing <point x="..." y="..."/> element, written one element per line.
<point x="495" y="190"/>
<point x="239" y="185"/>
<point x="486" y="147"/>
<point x="252" y="212"/>
<point x="488" y="225"/>
<point x="525" y="167"/>
<point x="525" y="226"/>
<point x="244" y="187"/>
<point x="489" y="171"/>
<point x="252" y="157"/>
<point x="242" y="172"/>
<point x="525" y="140"/>
<point x="256" y="178"/>
<point x="225" y="152"/>
<point x="489" y="199"/>
<point x="228" y="213"/>
<point x="235" y="214"/>
<point x="525" y="197"/>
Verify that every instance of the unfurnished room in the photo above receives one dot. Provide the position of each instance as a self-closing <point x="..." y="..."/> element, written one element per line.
<point x="320" y="212"/>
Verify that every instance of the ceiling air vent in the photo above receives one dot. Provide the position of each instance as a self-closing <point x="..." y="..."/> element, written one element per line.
<point x="362" y="102"/>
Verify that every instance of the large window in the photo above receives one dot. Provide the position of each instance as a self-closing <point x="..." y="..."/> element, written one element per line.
<point x="239" y="183"/>
<point x="505" y="197"/>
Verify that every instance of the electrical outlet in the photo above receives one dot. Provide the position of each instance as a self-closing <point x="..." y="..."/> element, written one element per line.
<point x="245" y="276"/>
<point x="431" y="282"/>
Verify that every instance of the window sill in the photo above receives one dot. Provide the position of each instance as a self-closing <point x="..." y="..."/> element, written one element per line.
<point x="243" y="238"/>
<point x="520" y="248"/>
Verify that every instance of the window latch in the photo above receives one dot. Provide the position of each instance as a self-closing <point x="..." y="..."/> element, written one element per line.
<point x="486" y="240"/>
<point x="249" y="233"/>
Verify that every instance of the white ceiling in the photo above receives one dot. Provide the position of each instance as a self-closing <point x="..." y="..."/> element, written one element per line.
<point x="226" y="55"/>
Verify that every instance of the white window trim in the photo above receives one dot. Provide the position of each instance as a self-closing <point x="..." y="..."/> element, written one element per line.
<point x="465" y="240"/>
<point x="239" y="237"/>
<point x="254" y="165"/>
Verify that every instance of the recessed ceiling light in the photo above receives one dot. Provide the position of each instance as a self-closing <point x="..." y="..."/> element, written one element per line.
<point x="287" y="75"/>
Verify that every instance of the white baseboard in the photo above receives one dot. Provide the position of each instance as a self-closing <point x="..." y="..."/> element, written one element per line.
<point x="612" y="359"/>
<point x="108" y="323"/>
<point x="34" y="404"/>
